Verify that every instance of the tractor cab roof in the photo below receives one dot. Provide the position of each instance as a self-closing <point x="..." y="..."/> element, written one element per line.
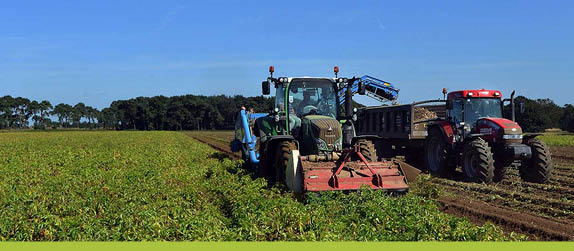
<point x="475" y="94"/>
<point x="311" y="78"/>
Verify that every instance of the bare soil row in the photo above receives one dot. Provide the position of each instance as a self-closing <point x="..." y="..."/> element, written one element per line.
<point x="540" y="211"/>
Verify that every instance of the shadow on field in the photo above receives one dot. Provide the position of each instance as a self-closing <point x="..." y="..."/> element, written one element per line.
<point x="220" y="156"/>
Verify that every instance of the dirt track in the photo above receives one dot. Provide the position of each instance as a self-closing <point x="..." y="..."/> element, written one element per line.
<point x="535" y="227"/>
<point x="218" y="140"/>
<point x="540" y="211"/>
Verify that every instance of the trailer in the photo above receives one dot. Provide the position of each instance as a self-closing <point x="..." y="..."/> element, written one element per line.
<point x="466" y="129"/>
<point x="401" y="129"/>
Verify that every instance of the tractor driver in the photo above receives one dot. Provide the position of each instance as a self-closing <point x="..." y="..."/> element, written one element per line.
<point x="306" y="101"/>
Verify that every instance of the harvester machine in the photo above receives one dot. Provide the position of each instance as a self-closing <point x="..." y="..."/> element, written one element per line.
<point x="308" y="140"/>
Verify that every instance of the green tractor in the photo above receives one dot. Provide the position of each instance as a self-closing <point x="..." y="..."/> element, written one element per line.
<point x="308" y="142"/>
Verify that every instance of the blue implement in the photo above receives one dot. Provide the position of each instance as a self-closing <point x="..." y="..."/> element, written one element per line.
<point x="244" y="140"/>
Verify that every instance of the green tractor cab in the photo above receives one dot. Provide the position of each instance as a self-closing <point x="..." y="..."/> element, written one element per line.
<point x="307" y="110"/>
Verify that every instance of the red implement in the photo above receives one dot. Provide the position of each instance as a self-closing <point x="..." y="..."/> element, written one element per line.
<point x="351" y="175"/>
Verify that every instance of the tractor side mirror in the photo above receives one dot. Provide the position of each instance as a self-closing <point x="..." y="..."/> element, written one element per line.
<point x="362" y="89"/>
<point x="266" y="87"/>
<point x="449" y="104"/>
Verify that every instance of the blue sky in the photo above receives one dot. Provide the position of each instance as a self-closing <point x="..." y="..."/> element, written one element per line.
<point x="100" y="51"/>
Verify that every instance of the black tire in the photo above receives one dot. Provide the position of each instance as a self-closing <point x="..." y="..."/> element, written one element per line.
<point x="501" y="169"/>
<point x="436" y="155"/>
<point x="478" y="162"/>
<point x="367" y="149"/>
<point x="282" y="155"/>
<point x="537" y="169"/>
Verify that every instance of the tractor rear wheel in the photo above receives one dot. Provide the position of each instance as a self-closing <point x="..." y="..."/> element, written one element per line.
<point x="436" y="154"/>
<point x="537" y="169"/>
<point x="478" y="163"/>
<point x="282" y="157"/>
<point x="367" y="149"/>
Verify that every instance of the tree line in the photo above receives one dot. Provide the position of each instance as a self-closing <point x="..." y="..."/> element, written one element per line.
<point x="536" y="115"/>
<point x="16" y="113"/>
<point x="189" y="112"/>
<point x="193" y="112"/>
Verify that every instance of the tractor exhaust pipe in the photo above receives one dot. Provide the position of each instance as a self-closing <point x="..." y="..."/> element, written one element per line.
<point x="349" y="99"/>
<point x="512" y="106"/>
<point x="348" y="126"/>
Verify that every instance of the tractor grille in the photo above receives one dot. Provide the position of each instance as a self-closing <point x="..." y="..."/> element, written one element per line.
<point x="329" y="130"/>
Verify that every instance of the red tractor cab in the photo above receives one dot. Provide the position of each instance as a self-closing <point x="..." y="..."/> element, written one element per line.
<point x="475" y="136"/>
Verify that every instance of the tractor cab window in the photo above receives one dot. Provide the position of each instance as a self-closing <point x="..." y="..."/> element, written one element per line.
<point x="476" y="108"/>
<point x="310" y="97"/>
<point x="456" y="112"/>
<point x="280" y="98"/>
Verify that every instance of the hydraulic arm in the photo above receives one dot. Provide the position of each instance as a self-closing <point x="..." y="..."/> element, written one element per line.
<point x="375" y="88"/>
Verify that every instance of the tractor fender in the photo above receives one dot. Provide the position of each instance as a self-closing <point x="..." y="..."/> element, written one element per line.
<point x="445" y="128"/>
<point x="528" y="136"/>
<point x="476" y="135"/>
<point x="272" y="141"/>
<point x="268" y="146"/>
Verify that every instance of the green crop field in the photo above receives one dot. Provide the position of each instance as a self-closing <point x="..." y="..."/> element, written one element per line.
<point x="167" y="186"/>
<point x="561" y="139"/>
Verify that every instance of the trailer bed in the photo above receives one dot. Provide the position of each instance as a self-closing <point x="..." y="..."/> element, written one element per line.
<point x="398" y="121"/>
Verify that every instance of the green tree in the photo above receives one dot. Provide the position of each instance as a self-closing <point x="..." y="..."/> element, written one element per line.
<point x="78" y="112"/>
<point x="44" y="108"/>
<point x="63" y="112"/>
<point x="538" y="114"/>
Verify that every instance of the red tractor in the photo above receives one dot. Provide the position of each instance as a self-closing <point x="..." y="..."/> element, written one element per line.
<point x="475" y="135"/>
<point x="469" y="131"/>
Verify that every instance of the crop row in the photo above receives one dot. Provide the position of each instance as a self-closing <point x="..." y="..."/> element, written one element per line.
<point x="526" y="200"/>
<point x="558" y="139"/>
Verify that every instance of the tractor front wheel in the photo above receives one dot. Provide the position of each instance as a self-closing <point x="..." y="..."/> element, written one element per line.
<point x="282" y="157"/>
<point x="478" y="163"/>
<point x="537" y="169"/>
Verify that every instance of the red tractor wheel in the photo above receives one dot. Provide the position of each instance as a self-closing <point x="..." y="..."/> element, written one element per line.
<point x="437" y="154"/>
<point x="537" y="169"/>
<point x="477" y="161"/>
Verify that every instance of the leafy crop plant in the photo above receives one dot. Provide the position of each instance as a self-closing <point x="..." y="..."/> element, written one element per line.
<point x="111" y="185"/>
